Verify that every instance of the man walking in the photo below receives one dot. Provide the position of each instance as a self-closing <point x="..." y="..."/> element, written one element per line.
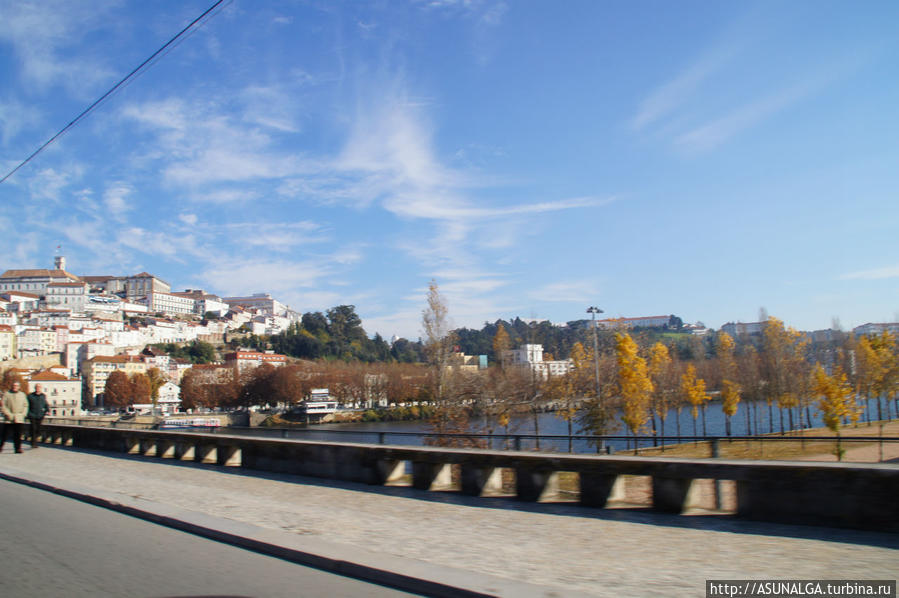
<point x="14" y="408"/>
<point x="37" y="409"/>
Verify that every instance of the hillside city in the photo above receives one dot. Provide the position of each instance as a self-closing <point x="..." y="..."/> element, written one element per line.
<point x="69" y="333"/>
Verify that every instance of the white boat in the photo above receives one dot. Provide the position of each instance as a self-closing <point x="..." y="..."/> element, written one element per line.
<point x="175" y="423"/>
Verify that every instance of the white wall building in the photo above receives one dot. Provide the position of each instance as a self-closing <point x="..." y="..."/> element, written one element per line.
<point x="66" y="295"/>
<point x="63" y="393"/>
<point x="531" y="356"/>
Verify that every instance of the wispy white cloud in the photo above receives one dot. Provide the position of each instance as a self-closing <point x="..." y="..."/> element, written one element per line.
<point x="673" y="94"/>
<point x="175" y="246"/>
<point x="712" y="134"/>
<point x="115" y="198"/>
<point x="43" y="35"/>
<point x="16" y="117"/>
<point x="224" y="196"/>
<point x="50" y="184"/>
<point x="566" y="291"/>
<point x="873" y="274"/>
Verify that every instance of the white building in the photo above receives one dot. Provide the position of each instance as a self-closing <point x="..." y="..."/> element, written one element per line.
<point x="63" y="393"/>
<point x="629" y="323"/>
<point x="261" y="301"/>
<point x="33" y="341"/>
<point x="8" y="343"/>
<point x="877" y="329"/>
<point x="35" y="280"/>
<point x="170" y="304"/>
<point x="66" y="295"/>
<point x="735" y="329"/>
<point x="531" y="356"/>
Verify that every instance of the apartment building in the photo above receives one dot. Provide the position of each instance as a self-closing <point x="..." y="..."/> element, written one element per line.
<point x="143" y="284"/>
<point x="66" y="295"/>
<point x="248" y="360"/>
<point x="63" y="393"/>
<point x="8" y="343"/>
<point x="531" y="356"/>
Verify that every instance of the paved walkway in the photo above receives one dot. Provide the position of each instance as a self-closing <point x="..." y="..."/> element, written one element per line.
<point x="611" y="552"/>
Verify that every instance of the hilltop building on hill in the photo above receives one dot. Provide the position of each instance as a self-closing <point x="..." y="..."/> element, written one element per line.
<point x="36" y="280"/>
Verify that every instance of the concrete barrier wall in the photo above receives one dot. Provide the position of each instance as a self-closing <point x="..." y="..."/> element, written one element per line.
<point x="861" y="496"/>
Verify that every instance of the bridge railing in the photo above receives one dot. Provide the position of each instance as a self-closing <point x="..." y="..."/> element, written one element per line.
<point x="837" y="494"/>
<point x="767" y="446"/>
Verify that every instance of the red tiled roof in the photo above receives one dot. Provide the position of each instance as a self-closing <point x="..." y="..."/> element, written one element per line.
<point x="48" y="376"/>
<point x="38" y="272"/>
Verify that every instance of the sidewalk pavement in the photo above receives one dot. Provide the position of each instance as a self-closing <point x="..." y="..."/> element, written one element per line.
<point x="488" y="546"/>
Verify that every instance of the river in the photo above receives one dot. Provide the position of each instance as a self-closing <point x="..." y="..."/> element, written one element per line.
<point x="408" y="433"/>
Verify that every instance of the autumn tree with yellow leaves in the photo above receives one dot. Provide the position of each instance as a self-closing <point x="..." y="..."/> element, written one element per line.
<point x="835" y="401"/>
<point x="634" y="386"/>
<point x="730" y="389"/>
<point x="660" y="374"/>
<point x="693" y="391"/>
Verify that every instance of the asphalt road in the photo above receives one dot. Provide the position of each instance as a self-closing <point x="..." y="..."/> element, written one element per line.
<point x="56" y="546"/>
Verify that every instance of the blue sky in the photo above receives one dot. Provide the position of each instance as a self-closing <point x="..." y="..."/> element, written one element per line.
<point x="698" y="158"/>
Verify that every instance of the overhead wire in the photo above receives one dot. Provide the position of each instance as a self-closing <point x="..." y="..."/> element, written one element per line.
<point x="143" y="66"/>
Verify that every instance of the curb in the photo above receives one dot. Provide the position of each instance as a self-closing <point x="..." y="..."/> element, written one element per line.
<point x="421" y="578"/>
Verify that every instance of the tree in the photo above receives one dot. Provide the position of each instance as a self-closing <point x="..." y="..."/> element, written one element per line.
<point x="693" y="390"/>
<point x="157" y="380"/>
<point x="118" y="392"/>
<point x="140" y="388"/>
<point x="315" y="323"/>
<point x="501" y="343"/>
<point x="659" y="374"/>
<point x="869" y="373"/>
<point x="450" y="416"/>
<point x="780" y="362"/>
<point x="10" y="376"/>
<point x="730" y="390"/>
<point x="634" y="385"/>
<point x="835" y="401"/>
<point x="256" y="387"/>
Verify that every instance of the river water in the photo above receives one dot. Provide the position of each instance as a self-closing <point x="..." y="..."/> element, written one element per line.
<point x="409" y="433"/>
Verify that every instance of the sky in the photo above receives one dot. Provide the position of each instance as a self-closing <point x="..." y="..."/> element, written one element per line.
<point x="703" y="159"/>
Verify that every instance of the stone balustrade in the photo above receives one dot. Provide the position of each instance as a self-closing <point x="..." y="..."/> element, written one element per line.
<point x="853" y="495"/>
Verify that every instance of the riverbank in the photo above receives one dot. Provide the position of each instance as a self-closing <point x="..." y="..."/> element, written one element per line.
<point x="790" y="449"/>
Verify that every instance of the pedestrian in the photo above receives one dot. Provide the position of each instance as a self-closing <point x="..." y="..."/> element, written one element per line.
<point x="14" y="408"/>
<point x="37" y="409"/>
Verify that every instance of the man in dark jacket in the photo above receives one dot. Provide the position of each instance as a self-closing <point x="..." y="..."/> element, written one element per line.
<point x="37" y="409"/>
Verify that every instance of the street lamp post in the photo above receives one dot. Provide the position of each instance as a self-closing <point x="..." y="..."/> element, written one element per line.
<point x="593" y="311"/>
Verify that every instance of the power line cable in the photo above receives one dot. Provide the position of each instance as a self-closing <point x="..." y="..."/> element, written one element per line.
<point x="113" y="89"/>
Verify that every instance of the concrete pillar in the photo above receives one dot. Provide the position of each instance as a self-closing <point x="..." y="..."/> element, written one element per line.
<point x="536" y="486"/>
<point x="165" y="449"/>
<point x="132" y="445"/>
<point x="185" y="451"/>
<point x="68" y="439"/>
<point x="206" y="453"/>
<point x="481" y="481"/>
<point x="228" y="456"/>
<point x="673" y="495"/>
<point x="432" y="476"/>
<point x="599" y="489"/>
<point x="148" y="448"/>
<point x="390" y="471"/>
